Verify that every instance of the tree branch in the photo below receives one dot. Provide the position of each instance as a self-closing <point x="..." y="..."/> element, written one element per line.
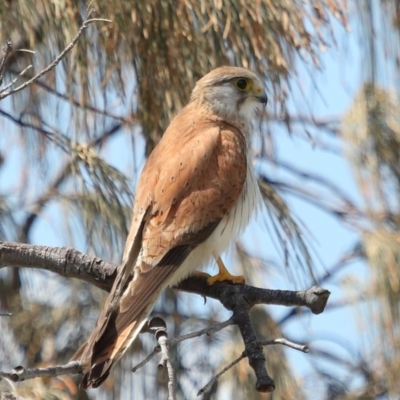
<point x="7" y="50"/>
<point x="64" y="261"/>
<point x="159" y="327"/>
<point x="131" y="119"/>
<point x="314" y="298"/>
<point x="172" y="342"/>
<point x="71" y="263"/>
<point x="282" y="341"/>
<point x="19" y="374"/>
<point x="239" y="299"/>
<point x="5" y="92"/>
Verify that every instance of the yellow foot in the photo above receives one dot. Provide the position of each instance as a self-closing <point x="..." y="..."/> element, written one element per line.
<point x="224" y="275"/>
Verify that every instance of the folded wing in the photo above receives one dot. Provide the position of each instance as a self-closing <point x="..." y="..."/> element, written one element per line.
<point x="190" y="182"/>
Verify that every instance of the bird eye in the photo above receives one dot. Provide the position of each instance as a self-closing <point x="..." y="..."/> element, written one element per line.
<point x="243" y="84"/>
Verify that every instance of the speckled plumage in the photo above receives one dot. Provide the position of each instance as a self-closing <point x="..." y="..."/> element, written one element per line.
<point x="196" y="193"/>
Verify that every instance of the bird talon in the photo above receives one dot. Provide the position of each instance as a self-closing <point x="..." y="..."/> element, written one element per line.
<point x="235" y="279"/>
<point x="224" y="275"/>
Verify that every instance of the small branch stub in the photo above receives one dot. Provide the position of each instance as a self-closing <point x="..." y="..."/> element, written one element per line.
<point x="159" y="327"/>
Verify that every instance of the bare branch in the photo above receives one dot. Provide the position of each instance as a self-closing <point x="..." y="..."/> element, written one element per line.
<point x="157" y="324"/>
<point x="89" y="21"/>
<point x="330" y="125"/>
<point x="5" y="314"/>
<point x="282" y="341"/>
<point x="132" y="119"/>
<point x="19" y="374"/>
<point x="71" y="263"/>
<point x="159" y="327"/>
<point x="14" y="80"/>
<point x="314" y="298"/>
<point x="174" y="341"/>
<point x="237" y="298"/>
<point x="65" y="261"/>
<point x="253" y="348"/>
<point x="155" y="351"/>
<point x="7" y="50"/>
<point x="206" y="331"/>
<point x="220" y="373"/>
<point x="301" y="347"/>
<point x="86" y="23"/>
<point x="26" y="51"/>
<point x="61" y="140"/>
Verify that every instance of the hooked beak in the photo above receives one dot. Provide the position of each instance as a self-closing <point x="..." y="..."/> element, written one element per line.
<point x="260" y="95"/>
<point x="262" y="98"/>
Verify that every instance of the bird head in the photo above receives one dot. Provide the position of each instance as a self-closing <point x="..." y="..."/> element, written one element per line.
<point x="230" y="92"/>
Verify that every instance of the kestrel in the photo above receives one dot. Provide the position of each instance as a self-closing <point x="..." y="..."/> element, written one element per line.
<point x="196" y="193"/>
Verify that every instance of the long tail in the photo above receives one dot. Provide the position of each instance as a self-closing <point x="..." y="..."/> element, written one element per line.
<point x="109" y="348"/>
<point x="109" y="342"/>
<point x="131" y="300"/>
<point x="120" y="322"/>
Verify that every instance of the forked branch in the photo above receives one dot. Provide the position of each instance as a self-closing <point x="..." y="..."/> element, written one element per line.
<point x="7" y="91"/>
<point x="237" y="298"/>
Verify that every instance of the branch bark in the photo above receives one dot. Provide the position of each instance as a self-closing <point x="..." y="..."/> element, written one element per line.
<point x="71" y="263"/>
<point x="64" y="261"/>
<point x="19" y="374"/>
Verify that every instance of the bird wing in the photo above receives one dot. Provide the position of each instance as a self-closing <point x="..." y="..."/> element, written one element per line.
<point x="190" y="182"/>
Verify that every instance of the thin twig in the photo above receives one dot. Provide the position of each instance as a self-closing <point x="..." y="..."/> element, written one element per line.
<point x="65" y="144"/>
<point x="25" y="51"/>
<point x="58" y="138"/>
<point x="155" y="351"/>
<point x="316" y="178"/>
<point x="89" y="21"/>
<point x="5" y="314"/>
<point x="329" y="124"/>
<point x="84" y="26"/>
<point x="15" y="80"/>
<point x="174" y="341"/>
<point x="220" y="373"/>
<point x="300" y="347"/>
<point x="128" y="120"/>
<point x="206" y="331"/>
<point x="282" y="341"/>
<point x="7" y="50"/>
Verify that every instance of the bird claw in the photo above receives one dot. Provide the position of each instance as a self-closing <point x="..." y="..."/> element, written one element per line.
<point x="226" y="277"/>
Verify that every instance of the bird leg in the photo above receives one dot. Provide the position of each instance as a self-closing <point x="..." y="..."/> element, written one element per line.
<point x="224" y="275"/>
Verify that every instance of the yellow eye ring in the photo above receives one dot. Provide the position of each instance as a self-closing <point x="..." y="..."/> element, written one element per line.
<point x="243" y="84"/>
